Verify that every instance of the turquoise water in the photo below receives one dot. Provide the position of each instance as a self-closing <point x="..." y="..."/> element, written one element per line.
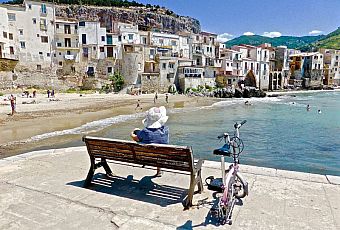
<point x="280" y="132"/>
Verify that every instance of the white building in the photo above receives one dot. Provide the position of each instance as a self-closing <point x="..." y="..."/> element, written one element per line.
<point x="28" y="34"/>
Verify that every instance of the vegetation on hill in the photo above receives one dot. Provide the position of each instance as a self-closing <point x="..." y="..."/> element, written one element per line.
<point x="330" y="41"/>
<point x="289" y="41"/>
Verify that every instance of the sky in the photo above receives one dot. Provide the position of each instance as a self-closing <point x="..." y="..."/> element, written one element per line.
<point x="272" y="18"/>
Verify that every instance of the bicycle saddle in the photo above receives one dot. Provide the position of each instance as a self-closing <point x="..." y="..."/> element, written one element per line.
<point x="223" y="151"/>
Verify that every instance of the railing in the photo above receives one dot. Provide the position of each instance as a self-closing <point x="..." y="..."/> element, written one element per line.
<point x="10" y="56"/>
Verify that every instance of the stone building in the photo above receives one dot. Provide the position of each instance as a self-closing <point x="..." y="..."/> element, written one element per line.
<point x="331" y="66"/>
<point x="307" y="68"/>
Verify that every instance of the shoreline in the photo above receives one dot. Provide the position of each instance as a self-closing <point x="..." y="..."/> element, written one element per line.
<point x="69" y="111"/>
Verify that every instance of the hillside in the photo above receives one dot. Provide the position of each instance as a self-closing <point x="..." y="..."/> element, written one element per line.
<point x="330" y="41"/>
<point x="150" y="17"/>
<point x="289" y="41"/>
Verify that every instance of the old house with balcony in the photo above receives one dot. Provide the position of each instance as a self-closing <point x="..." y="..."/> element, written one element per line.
<point x="331" y="66"/>
<point x="307" y="68"/>
<point x="67" y="49"/>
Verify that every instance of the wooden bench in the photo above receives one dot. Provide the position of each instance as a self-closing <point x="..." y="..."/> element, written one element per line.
<point x="164" y="156"/>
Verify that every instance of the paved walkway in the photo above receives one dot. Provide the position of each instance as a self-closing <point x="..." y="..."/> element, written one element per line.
<point x="43" y="190"/>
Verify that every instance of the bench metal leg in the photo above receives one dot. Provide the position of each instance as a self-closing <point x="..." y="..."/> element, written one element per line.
<point x="89" y="177"/>
<point x="106" y="167"/>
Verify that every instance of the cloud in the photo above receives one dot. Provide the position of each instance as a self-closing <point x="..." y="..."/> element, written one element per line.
<point x="272" y="34"/>
<point x="248" y="33"/>
<point x="315" y="32"/>
<point x="224" y="37"/>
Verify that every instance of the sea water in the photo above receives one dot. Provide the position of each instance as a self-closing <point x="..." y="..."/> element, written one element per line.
<point x="279" y="133"/>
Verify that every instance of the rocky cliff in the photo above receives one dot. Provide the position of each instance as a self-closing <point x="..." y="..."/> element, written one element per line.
<point x="152" y="18"/>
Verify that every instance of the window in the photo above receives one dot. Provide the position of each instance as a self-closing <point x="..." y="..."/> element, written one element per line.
<point x="67" y="42"/>
<point x="161" y="41"/>
<point x="11" y="17"/>
<point x="164" y="66"/>
<point x="101" y="49"/>
<point x="43" y="9"/>
<point x="4" y="34"/>
<point x="44" y="39"/>
<point x="83" y="38"/>
<point x="109" y="51"/>
<point x="48" y="54"/>
<point x="59" y="44"/>
<point x="68" y="52"/>
<point x="75" y="27"/>
<point x="143" y="40"/>
<point x="171" y="65"/>
<point x="173" y="43"/>
<point x="23" y="45"/>
<point x="57" y="26"/>
<point x="40" y="53"/>
<point x="109" y="39"/>
<point x="43" y="24"/>
<point x="60" y="63"/>
<point x="11" y="50"/>
<point x="130" y="36"/>
<point x="103" y="38"/>
<point x="38" y="67"/>
<point x="119" y="38"/>
<point x="148" y="77"/>
<point x="38" y="35"/>
<point x="34" y="20"/>
<point x="10" y="36"/>
<point x="109" y="69"/>
<point x="85" y="52"/>
<point x="94" y="48"/>
<point x="81" y="23"/>
<point x="207" y="49"/>
<point x="21" y="32"/>
<point x="67" y="29"/>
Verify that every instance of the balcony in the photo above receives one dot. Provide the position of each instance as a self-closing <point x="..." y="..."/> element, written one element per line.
<point x="9" y="56"/>
<point x="69" y="57"/>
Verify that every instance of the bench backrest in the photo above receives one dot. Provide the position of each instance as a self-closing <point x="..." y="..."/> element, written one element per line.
<point x="158" y="155"/>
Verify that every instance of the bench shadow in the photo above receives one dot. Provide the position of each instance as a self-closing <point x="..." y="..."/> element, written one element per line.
<point x="142" y="190"/>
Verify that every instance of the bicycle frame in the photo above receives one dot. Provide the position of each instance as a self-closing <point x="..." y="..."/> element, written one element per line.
<point x="228" y="199"/>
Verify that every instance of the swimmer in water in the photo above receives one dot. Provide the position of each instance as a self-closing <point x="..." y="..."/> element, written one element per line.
<point x="308" y="107"/>
<point x="319" y="111"/>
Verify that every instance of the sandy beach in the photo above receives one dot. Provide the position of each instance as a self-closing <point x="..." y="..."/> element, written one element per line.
<point x="40" y="115"/>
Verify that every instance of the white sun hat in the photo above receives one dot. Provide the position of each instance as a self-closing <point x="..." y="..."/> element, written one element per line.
<point x="155" y="117"/>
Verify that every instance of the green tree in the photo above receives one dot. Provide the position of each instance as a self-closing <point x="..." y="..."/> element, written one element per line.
<point x="117" y="81"/>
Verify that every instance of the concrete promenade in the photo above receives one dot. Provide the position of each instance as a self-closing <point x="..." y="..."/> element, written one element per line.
<point x="43" y="190"/>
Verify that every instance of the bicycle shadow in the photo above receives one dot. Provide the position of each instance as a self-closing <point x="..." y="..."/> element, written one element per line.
<point x="211" y="217"/>
<point x="142" y="190"/>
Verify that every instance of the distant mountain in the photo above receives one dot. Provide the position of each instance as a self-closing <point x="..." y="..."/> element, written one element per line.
<point x="330" y="41"/>
<point x="289" y="41"/>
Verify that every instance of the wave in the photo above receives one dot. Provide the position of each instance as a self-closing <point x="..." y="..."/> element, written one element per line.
<point x="90" y="127"/>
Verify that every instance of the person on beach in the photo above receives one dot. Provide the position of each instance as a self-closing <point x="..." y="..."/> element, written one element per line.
<point x="155" y="98"/>
<point x="52" y="93"/>
<point x="154" y="130"/>
<point x="48" y="93"/>
<point x="34" y="93"/>
<point x="13" y="101"/>
<point x="138" y="105"/>
<point x="167" y="98"/>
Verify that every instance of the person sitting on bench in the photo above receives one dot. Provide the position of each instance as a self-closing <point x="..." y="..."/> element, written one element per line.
<point x="154" y="130"/>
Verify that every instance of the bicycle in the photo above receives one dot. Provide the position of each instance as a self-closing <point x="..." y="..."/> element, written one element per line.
<point x="233" y="186"/>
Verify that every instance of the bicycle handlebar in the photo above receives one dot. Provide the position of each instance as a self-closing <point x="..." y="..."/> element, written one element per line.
<point x="243" y="122"/>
